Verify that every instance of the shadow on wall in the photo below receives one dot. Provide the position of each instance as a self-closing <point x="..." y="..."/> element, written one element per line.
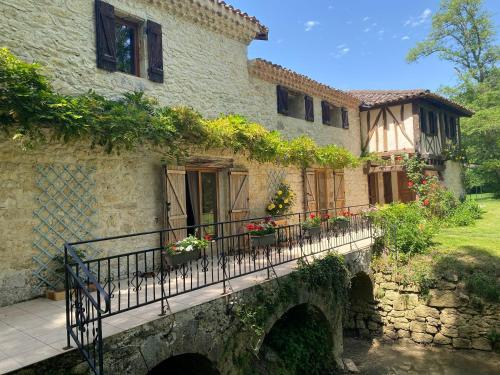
<point x="299" y="343"/>
<point x="362" y="318"/>
<point x="185" y="364"/>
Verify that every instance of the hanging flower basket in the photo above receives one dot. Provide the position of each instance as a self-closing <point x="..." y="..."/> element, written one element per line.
<point x="184" y="251"/>
<point x="313" y="231"/>
<point x="263" y="240"/>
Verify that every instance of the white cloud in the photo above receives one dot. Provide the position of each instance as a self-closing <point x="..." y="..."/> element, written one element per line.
<point x="340" y="46"/>
<point x="342" y="50"/>
<point x="419" y="20"/>
<point x="366" y="19"/>
<point x="381" y="32"/>
<point x="310" y="24"/>
<point x="367" y="29"/>
<point x="406" y="37"/>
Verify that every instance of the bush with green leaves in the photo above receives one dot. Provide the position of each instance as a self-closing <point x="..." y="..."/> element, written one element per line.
<point x="405" y="227"/>
<point x="30" y="110"/>
<point x="466" y="213"/>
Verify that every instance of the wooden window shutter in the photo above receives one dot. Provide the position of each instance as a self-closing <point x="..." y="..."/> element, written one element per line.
<point x="174" y="202"/>
<point x="423" y="121"/>
<point x="310" y="201"/>
<point x="339" y="191"/>
<point x="282" y="97"/>
<point x="345" y="118"/>
<point x="155" y="52"/>
<point x="309" y="104"/>
<point x="105" y="36"/>
<point x="325" y="112"/>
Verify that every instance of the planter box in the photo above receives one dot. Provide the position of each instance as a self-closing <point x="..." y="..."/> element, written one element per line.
<point x="264" y="240"/>
<point x="55" y="295"/>
<point x="341" y="225"/>
<point x="182" y="258"/>
<point x="314" y="231"/>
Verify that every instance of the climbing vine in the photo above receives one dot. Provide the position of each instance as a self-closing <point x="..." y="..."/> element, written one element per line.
<point x="31" y="111"/>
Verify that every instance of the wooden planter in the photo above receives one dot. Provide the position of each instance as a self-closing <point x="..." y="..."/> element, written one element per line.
<point x="264" y="240"/>
<point x="181" y="258"/>
<point x="55" y="295"/>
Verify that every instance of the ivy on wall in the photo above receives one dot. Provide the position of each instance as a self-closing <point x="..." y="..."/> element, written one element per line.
<point x="31" y="112"/>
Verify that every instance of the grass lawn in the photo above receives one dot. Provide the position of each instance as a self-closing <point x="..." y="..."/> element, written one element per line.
<point x="481" y="237"/>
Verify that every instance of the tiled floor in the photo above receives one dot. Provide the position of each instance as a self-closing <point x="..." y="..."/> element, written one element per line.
<point x="35" y="330"/>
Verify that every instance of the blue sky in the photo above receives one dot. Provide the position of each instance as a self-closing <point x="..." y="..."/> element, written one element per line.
<point x="352" y="44"/>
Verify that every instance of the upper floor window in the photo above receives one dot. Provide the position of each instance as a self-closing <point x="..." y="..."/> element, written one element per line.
<point x="127" y="46"/>
<point x="453" y="129"/>
<point x="423" y="121"/>
<point x="118" y="43"/>
<point x="294" y="104"/>
<point x="433" y="124"/>
<point x="334" y="116"/>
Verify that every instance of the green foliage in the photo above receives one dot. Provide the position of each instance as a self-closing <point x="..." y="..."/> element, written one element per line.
<point x="405" y="227"/>
<point x="28" y="105"/>
<point x="190" y="243"/>
<point x="483" y="285"/>
<point x="463" y="34"/>
<point x="281" y="201"/>
<point x="301" y="339"/>
<point x="465" y="213"/>
<point x="313" y="221"/>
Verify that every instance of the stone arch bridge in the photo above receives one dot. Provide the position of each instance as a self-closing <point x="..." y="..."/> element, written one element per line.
<point x="208" y="337"/>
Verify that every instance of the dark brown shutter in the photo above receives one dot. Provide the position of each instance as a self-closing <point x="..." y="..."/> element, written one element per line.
<point x="174" y="198"/>
<point x="282" y="97"/>
<point x="105" y="36"/>
<point x="423" y="121"/>
<point x="310" y="190"/>
<point x="345" y="118"/>
<point x="309" y="104"/>
<point x="155" y="52"/>
<point x="325" y="111"/>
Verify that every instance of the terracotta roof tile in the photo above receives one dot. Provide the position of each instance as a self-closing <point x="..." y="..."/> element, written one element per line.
<point x="374" y="98"/>
<point x="246" y="16"/>
<point x="275" y="73"/>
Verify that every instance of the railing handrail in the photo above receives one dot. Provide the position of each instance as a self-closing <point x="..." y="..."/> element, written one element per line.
<point x="164" y="230"/>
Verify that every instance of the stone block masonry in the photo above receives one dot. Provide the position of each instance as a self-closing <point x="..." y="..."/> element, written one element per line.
<point x="447" y="316"/>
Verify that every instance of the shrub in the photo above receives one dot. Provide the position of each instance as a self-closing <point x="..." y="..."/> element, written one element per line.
<point x="465" y="214"/>
<point x="405" y="227"/>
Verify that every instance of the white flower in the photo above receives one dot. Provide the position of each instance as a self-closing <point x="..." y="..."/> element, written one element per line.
<point x="189" y="248"/>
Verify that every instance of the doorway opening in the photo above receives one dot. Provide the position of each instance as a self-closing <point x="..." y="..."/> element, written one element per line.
<point x="201" y="201"/>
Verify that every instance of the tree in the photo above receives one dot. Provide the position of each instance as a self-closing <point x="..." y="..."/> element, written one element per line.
<point x="462" y="33"/>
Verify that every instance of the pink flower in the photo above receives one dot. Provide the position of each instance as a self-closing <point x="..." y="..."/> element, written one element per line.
<point x="410" y="184"/>
<point x="426" y="202"/>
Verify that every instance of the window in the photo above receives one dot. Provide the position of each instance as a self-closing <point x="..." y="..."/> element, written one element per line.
<point x="446" y="126"/>
<point x="201" y="193"/>
<point x="127" y="46"/>
<point x="423" y="121"/>
<point x="333" y="116"/>
<point x="453" y="129"/>
<point x="433" y="128"/>
<point x="294" y="104"/>
<point x="118" y="43"/>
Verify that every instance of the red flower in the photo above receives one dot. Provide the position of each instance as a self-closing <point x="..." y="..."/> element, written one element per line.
<point x="326" y="216"/>
<point x="208" y="237"/>
<point x="312" y="216"/>
<point x="410" y="184"/>
<point x="426" y="202"/>
<point x="251" y="226"/>
<point x="424" y="181"/>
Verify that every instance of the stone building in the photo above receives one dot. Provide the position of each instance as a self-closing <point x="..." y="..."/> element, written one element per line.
<point x="413" y="122"/>
<point x="191" y="53"/>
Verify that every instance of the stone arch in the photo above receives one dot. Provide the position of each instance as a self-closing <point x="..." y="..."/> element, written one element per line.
<point x="185" y="364"/>
<point x="362" y="318"/>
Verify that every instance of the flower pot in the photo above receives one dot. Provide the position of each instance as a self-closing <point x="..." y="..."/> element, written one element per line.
<point x="313" y="231"/>
<point x="182" y="257"/>
<point x="341" y="225"/>
<point x="55" y="295"/>
<point x="264" y="240"/>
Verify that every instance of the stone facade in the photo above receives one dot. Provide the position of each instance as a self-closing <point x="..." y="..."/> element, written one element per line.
<point x="205" y="67"/>
<point x="447" y="316"/>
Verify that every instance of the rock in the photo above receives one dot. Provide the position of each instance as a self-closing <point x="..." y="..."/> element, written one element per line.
<point x="421" y="338"/>
<point x="418" y="327"/>
<point x="426" y="311"/>
<point x="481" y="343"/>
<point x="440" y="339"/>
<point x="449" y="316"/>
<point x="410" y="314"/>
<point x="443" y="298"/>
<point x="409" y="288"/>
<point x="445" y="285"/>
<point x="449" y="331"/>
<point x="397" y="314"/>
<point x="402" y="333"/>
<point x="459" y="343"/>
<point x="391" y="295"/>
<point x="350" y="366"/>
<point x="372" y="326"/>
<point x="389" y="286"/>
<point x="401" y="325"/>
<point x="390" y="336"/>
<point x="360" y="324"/>
<point x="431" y="329"/>
<point x="450" y="276"/>
<point x="405" y="301"/>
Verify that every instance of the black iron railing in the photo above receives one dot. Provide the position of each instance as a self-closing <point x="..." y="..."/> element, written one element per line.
<point x="137" y="272"/>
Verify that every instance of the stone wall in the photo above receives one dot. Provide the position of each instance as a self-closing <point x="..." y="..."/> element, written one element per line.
<point x="447" y="316"/>
<point x="453" y="177"/>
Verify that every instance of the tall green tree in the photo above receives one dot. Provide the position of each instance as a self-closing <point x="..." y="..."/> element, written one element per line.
<point x="462" y="33"/>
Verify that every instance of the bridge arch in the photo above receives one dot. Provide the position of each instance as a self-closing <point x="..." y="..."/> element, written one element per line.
<point x="185" y="364"/>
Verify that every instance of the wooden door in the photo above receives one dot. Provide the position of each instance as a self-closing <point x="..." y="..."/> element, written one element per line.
<point x="174" y="207"/>
<point x="339" y="192"/>
<point x="405" y="194"/>
<point x="239" y="206"/>
<point x="372" y="188"/>
<point x="310" y="191"/>
<point x="387" y="176"/>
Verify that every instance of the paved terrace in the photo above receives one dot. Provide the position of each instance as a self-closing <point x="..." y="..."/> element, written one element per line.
<point x="35" y="330"/>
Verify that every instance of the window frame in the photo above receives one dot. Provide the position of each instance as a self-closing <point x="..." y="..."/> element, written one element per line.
<point x="136" y="45"/>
